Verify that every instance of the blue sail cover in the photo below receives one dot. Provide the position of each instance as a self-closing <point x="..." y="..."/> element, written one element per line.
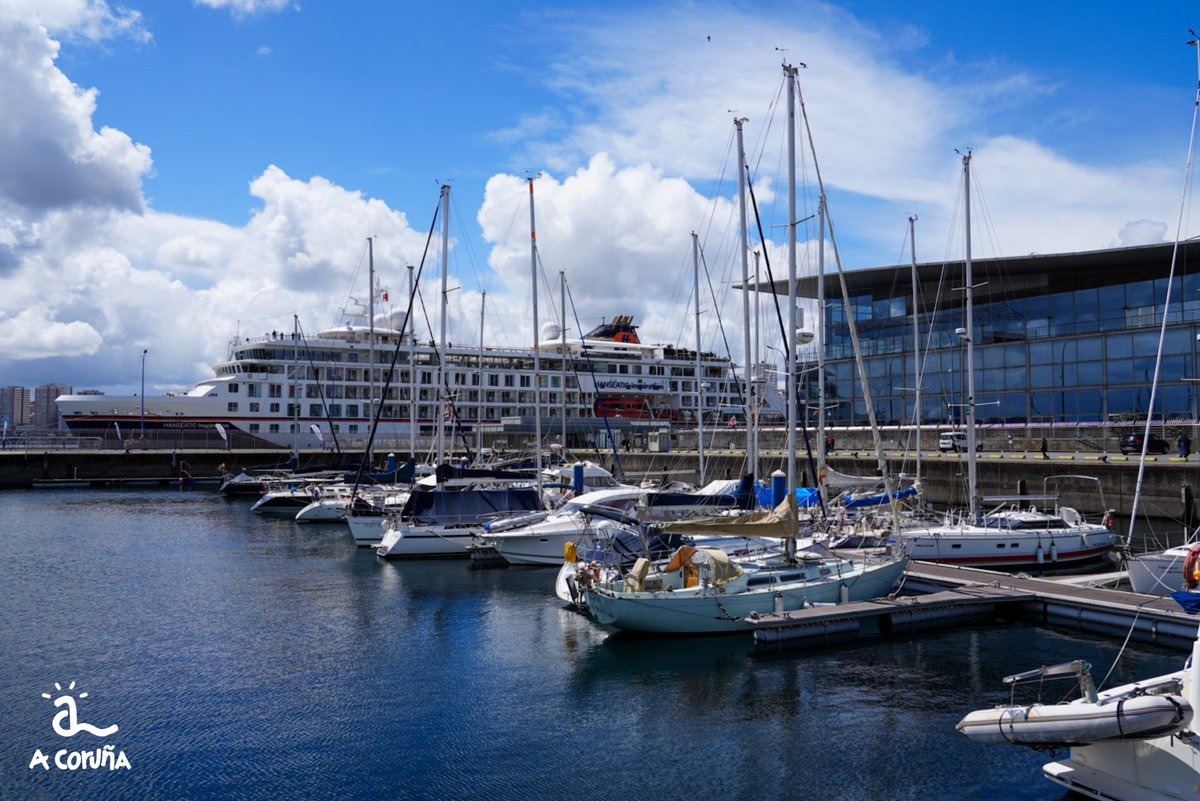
<point x="880" y="498"/>
<point x="472" y="507"/>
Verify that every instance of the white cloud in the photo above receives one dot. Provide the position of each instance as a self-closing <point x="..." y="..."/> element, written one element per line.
<point x="53" y="156"/>
<point x="887" y="111"/>
<point x="86" y="19"/>
<point x="33" y="334"/>
<point x="1142" y="232"/>
<point x="245" y="8"/>
<point x="263" y="51"/>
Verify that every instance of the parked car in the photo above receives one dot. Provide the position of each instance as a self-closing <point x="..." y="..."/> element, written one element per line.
<point x="956" y="441"/>
<point x="1132" y="443"/>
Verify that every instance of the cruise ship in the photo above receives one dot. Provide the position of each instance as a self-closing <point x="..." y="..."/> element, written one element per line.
<point x="295" y="391"/>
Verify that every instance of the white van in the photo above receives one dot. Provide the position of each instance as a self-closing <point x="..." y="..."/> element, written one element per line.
<point x="956" y="441"/>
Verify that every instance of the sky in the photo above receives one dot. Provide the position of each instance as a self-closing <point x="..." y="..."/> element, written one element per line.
<point x="177" y="174"/>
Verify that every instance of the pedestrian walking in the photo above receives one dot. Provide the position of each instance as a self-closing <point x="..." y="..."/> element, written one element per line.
<point x="1045" y="447"/>
<point x="1184" y="445"/>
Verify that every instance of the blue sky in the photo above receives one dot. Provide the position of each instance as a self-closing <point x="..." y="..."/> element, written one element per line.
<point x="237" y="153"/>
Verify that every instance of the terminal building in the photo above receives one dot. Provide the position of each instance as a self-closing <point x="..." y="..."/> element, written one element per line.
<point x="1058" y="339"/>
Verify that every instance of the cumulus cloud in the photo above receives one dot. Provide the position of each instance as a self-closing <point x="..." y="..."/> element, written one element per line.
<point x="1142" y="232"/>
<point x="85" y="19"/>
<point x="53" y="155"/>
<point x="41" y="337"/>
<point x="887" y="110"/>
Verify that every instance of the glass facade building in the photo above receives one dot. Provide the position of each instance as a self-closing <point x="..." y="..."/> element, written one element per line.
<point x="1068" y="338"/>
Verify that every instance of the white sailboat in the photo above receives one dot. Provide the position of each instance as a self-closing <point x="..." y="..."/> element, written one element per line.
<point x="1012" y="535"/>
<point x="703" y="590"/>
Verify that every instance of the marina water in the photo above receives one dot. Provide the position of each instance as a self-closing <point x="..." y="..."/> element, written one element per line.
<point x="244" y="658"/>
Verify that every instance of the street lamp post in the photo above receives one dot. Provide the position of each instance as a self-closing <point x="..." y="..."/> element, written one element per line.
<point x="142" y="397"/>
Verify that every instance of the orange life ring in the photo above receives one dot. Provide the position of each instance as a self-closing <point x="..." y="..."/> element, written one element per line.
<point x="1191" y="567"/>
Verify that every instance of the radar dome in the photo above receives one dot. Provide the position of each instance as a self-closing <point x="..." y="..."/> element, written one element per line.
<point x="550" y="332"/>
<point x="393" y="320"/>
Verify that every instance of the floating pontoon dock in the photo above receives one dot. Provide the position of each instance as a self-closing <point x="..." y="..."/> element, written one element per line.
<point x="958" y="594"/>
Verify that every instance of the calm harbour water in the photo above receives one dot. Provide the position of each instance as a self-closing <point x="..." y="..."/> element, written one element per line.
<point x="251" y="658"/>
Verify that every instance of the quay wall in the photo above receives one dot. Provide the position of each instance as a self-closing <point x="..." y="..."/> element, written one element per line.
<point x="1166" y="481"/>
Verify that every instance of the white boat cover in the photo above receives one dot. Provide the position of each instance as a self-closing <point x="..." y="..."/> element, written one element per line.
<point x="782" y="522"/>
<point x="836" y="480"/>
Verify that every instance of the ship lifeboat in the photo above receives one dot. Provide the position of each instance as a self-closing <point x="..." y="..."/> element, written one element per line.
<point x="1079" y="722"/>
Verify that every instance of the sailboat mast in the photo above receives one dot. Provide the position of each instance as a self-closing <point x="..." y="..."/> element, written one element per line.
<point x="296" y="388"/>
<point x="758" y="398"/>
<point x="371" y="329"/>
<point x="820" y="326"/>
<point x="751" y="453"/>
<point x="789" y="345"/>
<point x="699" y="385"/>
<point x="412" y="373"/>
<point x="562" y="300"/>
<point x="537" y="358"/>
<point x="917" y="378"/>
<point x="479" y="394"/>
<point x="972" y="465"/>
<point x="441" y="371"/>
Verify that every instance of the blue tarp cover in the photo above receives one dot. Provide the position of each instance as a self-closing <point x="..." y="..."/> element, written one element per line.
<point x="468" y="507"/>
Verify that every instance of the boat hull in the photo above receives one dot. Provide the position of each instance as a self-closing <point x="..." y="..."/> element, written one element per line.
<point x="367" y="530"/>
<point x="714" y="612"/>
<point x="1009" y="550"/>
<point x="434" y="542"/>
<point x="1157" y="573"/>
<point x="1160" y="769"/>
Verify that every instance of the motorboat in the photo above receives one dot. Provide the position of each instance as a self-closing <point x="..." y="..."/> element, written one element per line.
<point x="445" y="522"/>
<point x="541" y="537"/>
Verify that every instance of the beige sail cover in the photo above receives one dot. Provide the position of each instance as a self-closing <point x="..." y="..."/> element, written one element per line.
<point x="782" y="522"/>
<point x="721" y="568"/>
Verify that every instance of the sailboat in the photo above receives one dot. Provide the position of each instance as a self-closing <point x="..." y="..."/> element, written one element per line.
<point x="1013" y="535"/>
<point x="704" y="590"/>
